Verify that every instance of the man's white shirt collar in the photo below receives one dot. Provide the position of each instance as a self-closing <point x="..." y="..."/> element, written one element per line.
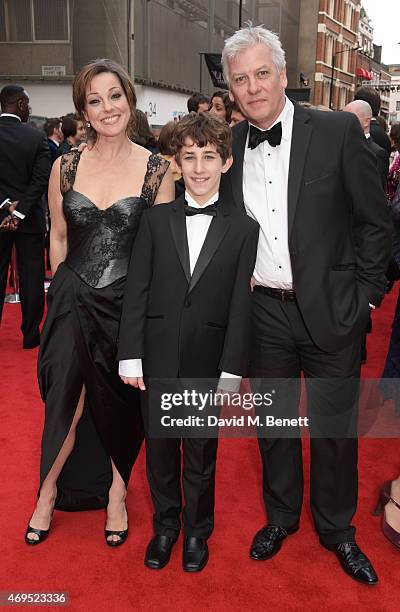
<point x="11" y="115"/>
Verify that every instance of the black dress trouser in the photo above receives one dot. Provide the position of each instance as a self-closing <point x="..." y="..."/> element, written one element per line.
<point x="166" y="460"/>
<point x="30" y="262"/>
<point x="283" y="349"/>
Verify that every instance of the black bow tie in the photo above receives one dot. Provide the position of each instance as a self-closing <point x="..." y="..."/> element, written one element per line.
<point x="274" y="136"/>
<point x="207" y="210"/>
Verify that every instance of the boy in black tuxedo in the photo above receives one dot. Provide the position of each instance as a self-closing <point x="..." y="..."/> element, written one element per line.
<point x="187" y="315"/>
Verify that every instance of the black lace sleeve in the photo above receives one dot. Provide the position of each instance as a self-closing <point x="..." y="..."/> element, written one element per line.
<point x="68" y="167"/>
<point x="156" y="169"/>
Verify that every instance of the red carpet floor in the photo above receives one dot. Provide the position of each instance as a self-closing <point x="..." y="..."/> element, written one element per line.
<point x="304" y="576"/>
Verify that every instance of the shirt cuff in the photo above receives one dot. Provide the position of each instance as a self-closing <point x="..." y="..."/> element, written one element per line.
<point x="132" y="368"/>
<point x="4" y="202"/>
<point x="229" y="382"/>
<point x="18" y="214"/>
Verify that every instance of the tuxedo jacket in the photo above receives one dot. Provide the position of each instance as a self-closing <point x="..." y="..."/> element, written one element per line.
<point x="339" y="230"/>
<point x="191" y="326"/>
<point x="382" y="161"/>
<point x="24" y="171"/>
<point x="379" y="136"/>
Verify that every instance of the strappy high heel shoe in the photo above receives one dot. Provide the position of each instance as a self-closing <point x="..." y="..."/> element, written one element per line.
<point x="385" y="498"/>
<point x="41" y="533"/>
<point x="122" y="535"/>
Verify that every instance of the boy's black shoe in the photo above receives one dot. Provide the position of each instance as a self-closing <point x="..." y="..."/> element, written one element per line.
<point x="195" y="554"/>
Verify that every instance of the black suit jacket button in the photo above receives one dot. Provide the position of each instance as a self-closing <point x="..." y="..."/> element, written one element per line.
<point x="188" y="302"/>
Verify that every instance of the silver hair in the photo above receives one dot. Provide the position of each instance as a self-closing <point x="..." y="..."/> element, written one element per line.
<point x="247" y="37"/>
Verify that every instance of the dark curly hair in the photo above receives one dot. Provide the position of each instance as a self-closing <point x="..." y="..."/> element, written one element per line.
<point x="202" y="129"/>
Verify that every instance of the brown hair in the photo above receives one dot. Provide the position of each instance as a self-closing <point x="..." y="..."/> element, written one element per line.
<point x="202" y="129"/>
<point x="165" y="138"/>
<point x="82" y="81"/>
<point x="227" y="102"/>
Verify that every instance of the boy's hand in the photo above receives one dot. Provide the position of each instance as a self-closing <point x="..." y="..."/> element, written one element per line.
<point x="134" y="381"/>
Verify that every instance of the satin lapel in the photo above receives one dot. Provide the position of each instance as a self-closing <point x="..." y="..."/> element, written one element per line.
<point x="236" y="173"/>
<point x="217" y="230"/>
<point x="301" y="135"/>
<point x="177" y="221"/>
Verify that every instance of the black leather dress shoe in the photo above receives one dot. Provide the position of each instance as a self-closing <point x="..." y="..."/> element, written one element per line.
<point x="355" y="563"/>
<point x="195" y="554"/>
<point x="268" y="541"/>
<point x="158" y="551"/>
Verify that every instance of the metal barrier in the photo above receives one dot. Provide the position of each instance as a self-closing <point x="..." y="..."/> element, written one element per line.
<point x="13" y="298"/>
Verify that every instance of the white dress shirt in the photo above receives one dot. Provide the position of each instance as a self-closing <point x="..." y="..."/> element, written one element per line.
<point x="265" y="188"/>
<point x="197" y="227"/>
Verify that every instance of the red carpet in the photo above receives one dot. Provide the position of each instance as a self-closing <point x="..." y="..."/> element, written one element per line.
<point x="75" y="558"/>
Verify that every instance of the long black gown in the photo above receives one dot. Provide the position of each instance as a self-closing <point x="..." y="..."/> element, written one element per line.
<point x="79" y="339"/>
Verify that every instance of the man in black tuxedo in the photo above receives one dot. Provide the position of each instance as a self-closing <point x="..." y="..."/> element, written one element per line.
<point x="310" y="180"/>
<point x="378" y="134"/>
<point x="25" y="170"/>
<point x="363" y="111"/>
<point x="55" y="136"/>
<point x="187" y="315"/>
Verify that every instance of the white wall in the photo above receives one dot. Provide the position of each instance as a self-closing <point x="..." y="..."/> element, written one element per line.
<point x="48" y="99"/>
<point x="161" y="105"/>
<point x="55" y="99"/>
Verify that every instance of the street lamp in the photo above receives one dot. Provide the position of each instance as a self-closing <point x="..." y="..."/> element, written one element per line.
<point x="334" y="54"/>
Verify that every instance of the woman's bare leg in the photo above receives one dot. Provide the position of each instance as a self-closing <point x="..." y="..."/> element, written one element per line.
<point x="41" y="517"/>
<point x="117" y="518"/>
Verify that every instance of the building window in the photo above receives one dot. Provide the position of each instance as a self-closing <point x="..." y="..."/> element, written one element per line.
<point x="397" y="106"/>
<point x="328" y="49"/>
<point x="326" y="92"/>
<point x="34" y="20"/>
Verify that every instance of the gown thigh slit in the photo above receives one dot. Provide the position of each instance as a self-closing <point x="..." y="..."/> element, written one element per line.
<point x="79" y="342"/>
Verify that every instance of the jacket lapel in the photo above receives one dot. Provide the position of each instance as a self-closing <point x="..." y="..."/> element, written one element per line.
<point x="239" y="133"/>
<point x="301" y="135"/>
<point x="177" y="222"/>
<point x="217" y="230"/>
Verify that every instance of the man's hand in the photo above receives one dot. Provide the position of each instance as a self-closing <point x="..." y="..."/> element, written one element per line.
<point x="134" y="381"/>
<point x="9" y="224"/>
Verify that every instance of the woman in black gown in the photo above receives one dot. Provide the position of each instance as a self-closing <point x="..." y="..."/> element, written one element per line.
<point x="96" y="199"/>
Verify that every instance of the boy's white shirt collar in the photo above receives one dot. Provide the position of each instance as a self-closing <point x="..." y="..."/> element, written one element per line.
<point x="189" y="199"/>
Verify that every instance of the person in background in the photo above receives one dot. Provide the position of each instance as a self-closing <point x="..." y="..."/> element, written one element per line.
<point x="362" y="110"/>
<point x="198" y="103"/>
<point x="74" y="133"/>
<point x="24" y="176"/>
<point x="166" y="151"/>
<point x="370" y="95"/>
<point x="142" y="134"/>
<point x="236" y="116"/>
<point x="221" y="106"/>
<point x="394" y="170"/>
<point x="55" y="137"/>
